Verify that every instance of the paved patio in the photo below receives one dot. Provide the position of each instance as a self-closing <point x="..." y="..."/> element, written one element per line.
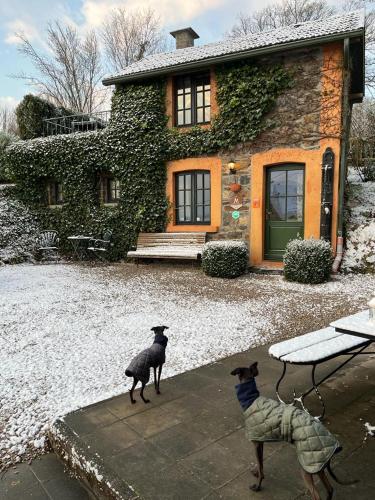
<point x="189" y="442"/>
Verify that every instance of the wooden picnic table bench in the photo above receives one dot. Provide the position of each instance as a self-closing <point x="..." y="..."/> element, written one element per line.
<point x="169" y="246"/>
<point x="313" y="349"/>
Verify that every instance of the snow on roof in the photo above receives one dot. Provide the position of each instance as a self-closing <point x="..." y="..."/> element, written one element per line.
<point x="342" y="24"/>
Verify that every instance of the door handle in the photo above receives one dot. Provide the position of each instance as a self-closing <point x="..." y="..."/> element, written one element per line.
<point x="268" y="213"/>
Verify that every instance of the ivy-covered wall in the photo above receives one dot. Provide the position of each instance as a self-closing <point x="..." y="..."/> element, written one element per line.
<point x="135" y="147"/>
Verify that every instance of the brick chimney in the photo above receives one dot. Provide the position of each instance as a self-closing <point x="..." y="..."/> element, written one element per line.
<point x="184" y="38"/>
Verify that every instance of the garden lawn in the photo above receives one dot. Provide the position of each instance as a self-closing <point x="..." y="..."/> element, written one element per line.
<point x="68" y="331"/>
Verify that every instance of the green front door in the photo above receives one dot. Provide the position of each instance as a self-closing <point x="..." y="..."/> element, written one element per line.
<point x="284" y="208"/>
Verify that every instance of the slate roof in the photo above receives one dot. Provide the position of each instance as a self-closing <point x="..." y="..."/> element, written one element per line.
<point x="334" y="27"/>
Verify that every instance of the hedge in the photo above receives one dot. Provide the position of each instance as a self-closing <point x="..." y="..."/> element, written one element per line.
<point x="225" y="259"/>
<point x="308" y="261"/>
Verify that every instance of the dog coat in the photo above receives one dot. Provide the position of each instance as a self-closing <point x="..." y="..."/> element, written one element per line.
<point x="269" y="420"/>
<point x="151" y="357"/>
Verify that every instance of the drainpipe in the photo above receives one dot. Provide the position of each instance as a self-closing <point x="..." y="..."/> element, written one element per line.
<point x="346" y="110"/>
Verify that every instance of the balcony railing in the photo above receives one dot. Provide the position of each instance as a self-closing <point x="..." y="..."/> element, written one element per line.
<point x="81" y="122"/>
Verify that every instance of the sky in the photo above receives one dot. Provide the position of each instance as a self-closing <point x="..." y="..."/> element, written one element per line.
<point x="210" y="18"/>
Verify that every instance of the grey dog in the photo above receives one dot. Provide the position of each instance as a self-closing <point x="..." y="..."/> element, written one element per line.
<point x="152" y="357"/>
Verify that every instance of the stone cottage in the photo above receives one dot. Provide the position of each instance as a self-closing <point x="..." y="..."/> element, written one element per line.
<point x="289" y="181"/>
<point x="286" y="180"/>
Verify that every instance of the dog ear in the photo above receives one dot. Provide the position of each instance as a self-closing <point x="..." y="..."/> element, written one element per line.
<point x="166" y="327"/>
<point x="236" y="371"/>
<point x="254" y="368"/>
<point x="154" y="328"/>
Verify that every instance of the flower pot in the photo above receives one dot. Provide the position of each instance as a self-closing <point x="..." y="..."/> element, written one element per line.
<point x="235" y="187"/>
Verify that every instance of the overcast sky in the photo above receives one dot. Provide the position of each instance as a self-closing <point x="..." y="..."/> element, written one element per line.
<point x="210" y="18"/>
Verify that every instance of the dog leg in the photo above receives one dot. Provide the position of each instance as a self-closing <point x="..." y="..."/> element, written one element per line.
<point x="259" y="472"/>
<point x="135" y="382"/>
<point x="155" y="381"/>
<point x="159" y="375"/>
<point x="309" y="482"/>
<point x="326" y="483"/>
<point x="141" y="394"/>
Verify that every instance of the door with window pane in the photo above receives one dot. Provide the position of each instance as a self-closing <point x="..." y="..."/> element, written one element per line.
<point x="193" y="197"/>
<point x="284" y="208"/>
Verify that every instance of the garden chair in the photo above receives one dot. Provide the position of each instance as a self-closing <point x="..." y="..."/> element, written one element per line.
<point x="47" y="245"/>
<point x="100" y="247"/>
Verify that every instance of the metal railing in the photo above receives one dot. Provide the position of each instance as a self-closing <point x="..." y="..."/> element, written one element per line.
<point x="82" y="122"/>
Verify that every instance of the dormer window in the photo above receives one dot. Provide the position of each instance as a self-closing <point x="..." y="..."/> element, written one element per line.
<point x="110" y="189"/>
<point x="55" y="194"/>
<point x="192" y="100"/>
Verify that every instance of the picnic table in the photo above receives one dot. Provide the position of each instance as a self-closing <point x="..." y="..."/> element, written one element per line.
<point x="80" y="244"/>
<point x="348" y="336"/>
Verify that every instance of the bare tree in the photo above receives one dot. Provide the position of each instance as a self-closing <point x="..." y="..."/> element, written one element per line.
<point x="69" y="75"/>
<point x="8" y="122"/>
<point x="279" y="14"/>
<point x="129" y="36"/>
<point x="362" y="140"/>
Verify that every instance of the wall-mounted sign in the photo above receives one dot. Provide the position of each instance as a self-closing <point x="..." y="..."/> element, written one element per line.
<point x="236" y="201"/>
<point x="235" y="215"/>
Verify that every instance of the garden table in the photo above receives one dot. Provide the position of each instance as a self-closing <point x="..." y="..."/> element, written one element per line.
<point x="358" y="325"/>
<point x="80" y="244"/>
<point x="348" y="336"/>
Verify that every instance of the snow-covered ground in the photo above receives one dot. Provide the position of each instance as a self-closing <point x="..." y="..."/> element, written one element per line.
<point x="68" y="331"/>
<point x="360" y="241"/>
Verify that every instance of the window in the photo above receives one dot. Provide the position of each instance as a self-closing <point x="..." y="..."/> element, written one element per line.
<point x="55" y="194"/>
<point x="192" y="100"/>
<point x="110" y="189"/>
<point x="193" y="197"/>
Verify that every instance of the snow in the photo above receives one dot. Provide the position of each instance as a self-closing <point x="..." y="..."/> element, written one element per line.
<point x="68" y="331"/>
<point x="370" y="429"/>
<point x="18" y="229"/>
<point x="311" y="339"/>
<point x="323" y="350"/>
<point x="360" y="242"/>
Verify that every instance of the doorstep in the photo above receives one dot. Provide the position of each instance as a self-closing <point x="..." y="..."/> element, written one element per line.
<point x="268" y="267"/>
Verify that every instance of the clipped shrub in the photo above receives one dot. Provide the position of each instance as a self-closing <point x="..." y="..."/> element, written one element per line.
<point x="225" y="259"/>
<point x="308" y="261"/>
<point x="30" y="114"/>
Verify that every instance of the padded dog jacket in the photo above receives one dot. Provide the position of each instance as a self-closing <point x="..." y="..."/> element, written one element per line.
<point x="151" y="357"/>
<point x="269" y="420"/>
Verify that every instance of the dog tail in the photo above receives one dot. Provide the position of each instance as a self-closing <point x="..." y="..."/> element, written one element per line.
<point x="128" y="373"/>
<point x="340" y="481"/>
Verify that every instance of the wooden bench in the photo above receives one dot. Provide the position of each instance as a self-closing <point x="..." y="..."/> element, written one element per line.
<point x="169" y="246"/>
<point x="313" y="349"/>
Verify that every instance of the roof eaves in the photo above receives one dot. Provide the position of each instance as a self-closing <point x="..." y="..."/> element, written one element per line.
<point x="233" y="56"/>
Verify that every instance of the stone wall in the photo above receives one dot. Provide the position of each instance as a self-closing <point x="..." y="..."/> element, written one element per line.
<point x="294" y="123"/>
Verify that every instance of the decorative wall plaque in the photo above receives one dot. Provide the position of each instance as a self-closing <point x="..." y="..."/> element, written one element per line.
<point x="236" y="201"/>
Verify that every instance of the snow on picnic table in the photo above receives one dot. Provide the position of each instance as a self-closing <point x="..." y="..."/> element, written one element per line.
<point x="68" y="332"/>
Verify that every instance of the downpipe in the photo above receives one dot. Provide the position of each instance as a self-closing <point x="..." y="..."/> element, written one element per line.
<point x="343" y="159"/>
<point x="339" y="254"/>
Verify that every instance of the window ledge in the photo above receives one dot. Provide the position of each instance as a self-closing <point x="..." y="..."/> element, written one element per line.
<point x="186" y="128"/>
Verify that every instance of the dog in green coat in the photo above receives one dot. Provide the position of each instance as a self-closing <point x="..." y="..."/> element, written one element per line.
<point x="269" y="420"/>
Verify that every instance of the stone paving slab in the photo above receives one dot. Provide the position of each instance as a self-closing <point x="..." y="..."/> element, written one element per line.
<point x="44" y="479"/>
<point x="189" y="442"/>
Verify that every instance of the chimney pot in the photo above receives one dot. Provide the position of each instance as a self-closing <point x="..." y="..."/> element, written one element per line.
<point x="184" y="38"/>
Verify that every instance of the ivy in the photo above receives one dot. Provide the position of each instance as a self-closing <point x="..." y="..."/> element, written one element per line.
<point x="135" y="147"/>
